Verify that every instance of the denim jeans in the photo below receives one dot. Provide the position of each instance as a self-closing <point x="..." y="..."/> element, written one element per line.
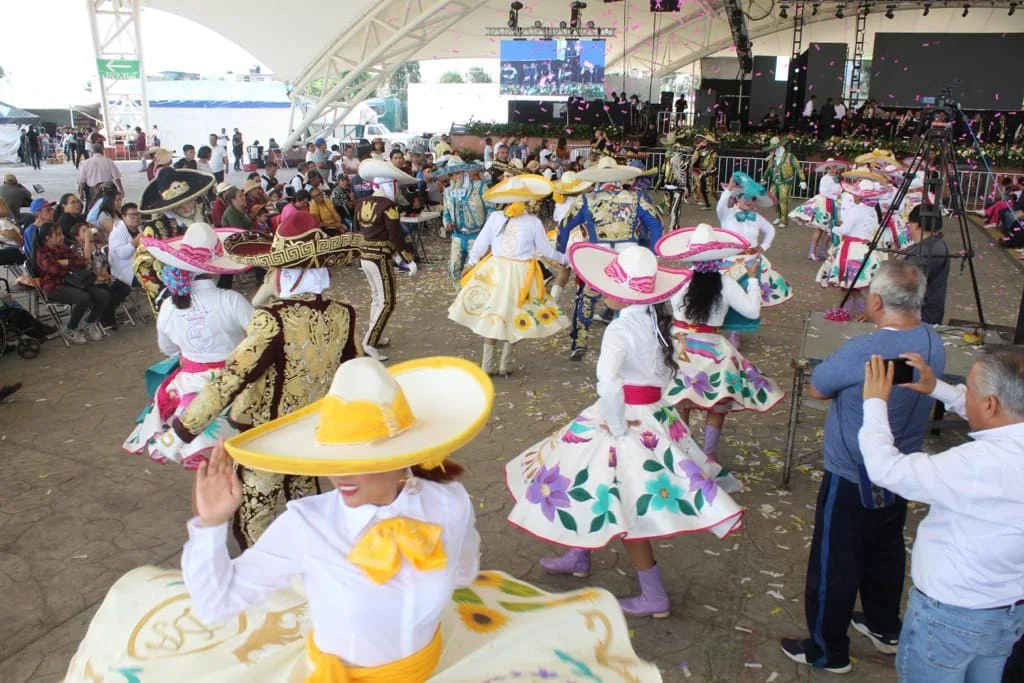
<point x="942" y="643"/>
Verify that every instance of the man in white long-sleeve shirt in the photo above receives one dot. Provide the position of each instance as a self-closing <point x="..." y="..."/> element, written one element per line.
<point x="967" y="607"/>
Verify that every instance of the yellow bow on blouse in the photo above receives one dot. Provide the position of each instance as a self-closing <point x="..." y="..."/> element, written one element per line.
<point x="380" y="551"/>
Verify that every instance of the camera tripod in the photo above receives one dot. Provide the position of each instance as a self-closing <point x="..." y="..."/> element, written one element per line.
<point x="937" y="156"/>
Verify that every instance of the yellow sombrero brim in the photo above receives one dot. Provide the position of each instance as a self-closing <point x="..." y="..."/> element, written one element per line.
<point x="864" y="174"/>
<point x="574" y="188"/>
<point x="450" y="398"/>
<point x="507" y="192"/>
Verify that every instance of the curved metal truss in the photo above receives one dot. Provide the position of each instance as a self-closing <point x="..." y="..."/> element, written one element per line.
<point x="364" y="58"/>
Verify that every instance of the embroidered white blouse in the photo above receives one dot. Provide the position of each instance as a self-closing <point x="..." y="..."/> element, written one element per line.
<point x="859" y="221"/>
<point x="759" y="232"/>
<point x="521" y="238"/>
<point x="630" y="354"/>
<point x="209" y="329"/>
<point x="354" y="618"/>
<point x="747" y="303"/>
<point x="830" y="188"/>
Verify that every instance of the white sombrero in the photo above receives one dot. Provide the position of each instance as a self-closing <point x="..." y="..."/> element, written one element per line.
<point x="700" y="243"/>
<point x="222" y="187"/>
<point x="831" y="163"/>
<point x="199" y="250"/>
<point x="631" y="275"/>
<point x="375" y="419"/>
<point x="373" y="169"/>
<point x="606" y="170"/>
<point x="864" y="188"/>
<point x="521" y="188"/>
<point x="570" y="183"/>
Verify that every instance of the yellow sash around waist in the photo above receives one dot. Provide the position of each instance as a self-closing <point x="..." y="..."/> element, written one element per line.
<point x="534" y="276"/>
<point x="415" y="668"/>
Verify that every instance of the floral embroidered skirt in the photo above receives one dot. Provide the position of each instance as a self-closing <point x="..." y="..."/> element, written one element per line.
<point x="774" y="291"/>
<point x="170" y="400"/>
<point x="817" y="212"/>
<point x="582" y="487"/>
<point x="714" y="376"/>
<point x="498" y="628"/>
<point x="840" y="267"/>
<point x="505" y="299"/>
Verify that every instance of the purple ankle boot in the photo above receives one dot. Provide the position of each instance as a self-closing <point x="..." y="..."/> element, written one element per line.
<point x="575" y="561"/>
<point x="652" y="601"/>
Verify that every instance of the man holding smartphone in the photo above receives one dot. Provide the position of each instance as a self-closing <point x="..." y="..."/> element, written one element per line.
<point x="966" y="609"/>
<point x="857" y="545"/>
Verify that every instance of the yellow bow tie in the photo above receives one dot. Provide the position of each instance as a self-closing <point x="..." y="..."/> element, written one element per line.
<point x="380" y="551"/>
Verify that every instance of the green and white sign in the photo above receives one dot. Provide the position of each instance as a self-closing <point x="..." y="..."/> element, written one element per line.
<point x="118" y="69"/>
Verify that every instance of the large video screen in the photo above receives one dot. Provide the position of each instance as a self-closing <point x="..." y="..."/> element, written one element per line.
<point x="553" y="67"/>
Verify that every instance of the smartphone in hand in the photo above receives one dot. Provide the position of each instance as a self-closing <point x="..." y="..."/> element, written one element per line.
<point x="902" y="372"/>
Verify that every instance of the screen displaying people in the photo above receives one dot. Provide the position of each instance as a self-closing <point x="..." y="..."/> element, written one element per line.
<point x="553" y="67"/>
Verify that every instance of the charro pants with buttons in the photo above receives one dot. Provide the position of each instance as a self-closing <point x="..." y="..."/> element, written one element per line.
<point x="583" y="315"/>
<point x="380" y="273"/>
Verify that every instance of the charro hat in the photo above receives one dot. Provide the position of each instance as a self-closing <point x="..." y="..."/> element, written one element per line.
<point x="700" y="243"/>
<point x="455" y="164"/>
<point x="606" y="170"/>
<point x="298" y="243"/>
<point x="222" y="187"/>
<point x="199" y="250"/>
<point x="373" y="169"/>
<point x="752" y="190"/>
<point x="160" y="156"/>
<point x="710" y="137"/>
<point x="525" y="187"/>
<point x="863" y="188"/>
<point x="632" y="275"/>
<point x="375" y="419"/>
<point x="173" y="187"/>
<point x="831" y="163"/>
<point x="570" y="183"/>
<point x="250" y="185"/>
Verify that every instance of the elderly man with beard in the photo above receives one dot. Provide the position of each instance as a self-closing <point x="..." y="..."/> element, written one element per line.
<point x="170" y="204"/>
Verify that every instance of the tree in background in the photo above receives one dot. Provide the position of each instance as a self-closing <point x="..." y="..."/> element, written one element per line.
<point x="452" y="77"/>
<point x="407" y="73"/>
<point x="478" y="74"/>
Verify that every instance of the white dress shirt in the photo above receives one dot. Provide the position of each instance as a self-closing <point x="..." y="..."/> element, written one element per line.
<point x="859" y="220"/>
<point x="840" y="111"/>
<point x="121" y="253"/>
<point x="354" y="618"/>
<point x="520" y="238"/>
<point x="747" y="303"/>
<point x="209" y="329"/>
<point x="809" y="108"/>
<point x="969" y="550"/>
<point x="830" y="187"/>
<point x="758" y="232"/>
<point x="630" y="354"/>
<point x="218" y="159"/>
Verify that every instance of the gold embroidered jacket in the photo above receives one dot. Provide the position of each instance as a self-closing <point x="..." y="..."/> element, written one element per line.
<point x="379" y="222"/>
<point x="287" y="361"/>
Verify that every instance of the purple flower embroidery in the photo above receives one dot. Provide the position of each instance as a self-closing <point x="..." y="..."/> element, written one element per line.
<point x="677" y="429"/>
<point x="649" y="440"/>
<point x="545" y="674"/>
<point x="613" y="457"/>
<point x="698" y="480"/>
<point x="755" y="377"/>
<point x="699" y="383"/>
<point x="766" y="292"/>
<point x="548" y="490"/>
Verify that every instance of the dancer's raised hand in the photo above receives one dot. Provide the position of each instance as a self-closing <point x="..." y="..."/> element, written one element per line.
<point x="218" y="490"/>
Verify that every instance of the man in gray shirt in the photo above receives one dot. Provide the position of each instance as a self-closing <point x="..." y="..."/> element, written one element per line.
<point x="15" y="194"/>
<point x="931" y="254"/>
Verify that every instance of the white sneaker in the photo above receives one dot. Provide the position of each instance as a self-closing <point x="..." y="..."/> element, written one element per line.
<point x="94" y="332"/>
<point x="75" y="336"/>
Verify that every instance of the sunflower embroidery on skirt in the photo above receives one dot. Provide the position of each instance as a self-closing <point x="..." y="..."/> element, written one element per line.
<point x="480" y="618"/>
<point x="535" y="313"/>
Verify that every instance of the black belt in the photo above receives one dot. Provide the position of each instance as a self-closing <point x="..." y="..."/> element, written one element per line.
<point x="1012" y="605"/>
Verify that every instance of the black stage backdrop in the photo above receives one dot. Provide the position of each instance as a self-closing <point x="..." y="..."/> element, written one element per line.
<point x="907" y="67"/>
<point x="766" y="92"/>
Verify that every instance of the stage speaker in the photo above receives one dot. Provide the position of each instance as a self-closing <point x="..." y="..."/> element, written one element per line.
<point x="667" y="99"/>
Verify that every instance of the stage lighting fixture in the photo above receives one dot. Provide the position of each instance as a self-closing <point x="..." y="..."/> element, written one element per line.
<point x="576" y="14"/>
<point x="563" y="25"/>
<point x="1013" y="8"/>
<point x="814" y="9"/>
<point x="927" y="8"/>
<point x="967" y="8"/>
<point x="513" y="14"/>
<point x="888" y="12"/>
<point x="839" y="11"/>
<point x="784" y="12"/>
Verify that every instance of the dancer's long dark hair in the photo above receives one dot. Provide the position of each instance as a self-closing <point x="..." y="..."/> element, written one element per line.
<point x="449" y="471"/>
<point x="703" y="294"/>
<point x="664" y="320"/>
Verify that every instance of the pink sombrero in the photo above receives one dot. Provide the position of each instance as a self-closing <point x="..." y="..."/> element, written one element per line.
<point x="632" y="275"/>
<point x="199" y="250"/>
<point x="700" y="243"/>
<point x="863" y="188"/>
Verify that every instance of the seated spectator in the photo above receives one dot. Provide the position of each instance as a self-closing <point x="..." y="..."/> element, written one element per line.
<point x="931" y="254"/>
<point x="857" y="545"/>
<point x="313" y="180"/>
<point x="253" y="191"/>
<point x="220" y="204"/>
<point x="323" y="210"/>
<point x="15" y="194"/>
<point x="188" y="158"/>
<point x="54" y="262"/>
<point x="235" y="216"/>
<point x="344" y="200"/>
<point x="11" y="241"/>
<point x="94" y="254"/>
<point x="17" y="320"/>
<point x="69" y="214"/>
<point x="44" y="212"/>
<point x="1011" y="222"/>
<point x="260" y="218"/>
<point x="274" y="200"/>
<point x="123" y="243"/>
<point x="203" y="157"/>
<point x="301" y="203"/>
<point x="965" y="611"/>
<point x="106" y="209"/>
<point x="298" y="181"/>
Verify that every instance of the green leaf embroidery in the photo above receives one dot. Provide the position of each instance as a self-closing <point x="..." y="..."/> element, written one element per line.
<point x="762" y="396"/>
<point x="698" y="500"/>
<point x="612" y="519"/>
<point x="598" y="522"/>
<point x="520" y="590"/>
<point x="580" y="495"/>
<point x="614" y="491"/>
<point x="676" y="389"/>
<point x="686" y="508"/>
<point x="642" y="503"/>
<point x="710" y="395"/>
<point x="465" y="596"/>
<point x="661" y="415"/>
<point x="652" y="466"/>
<point x="567" y="521"/>
<point x="581" y="477"/>
<point x="523" y="606"/>
<point x="668" y="459"/>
